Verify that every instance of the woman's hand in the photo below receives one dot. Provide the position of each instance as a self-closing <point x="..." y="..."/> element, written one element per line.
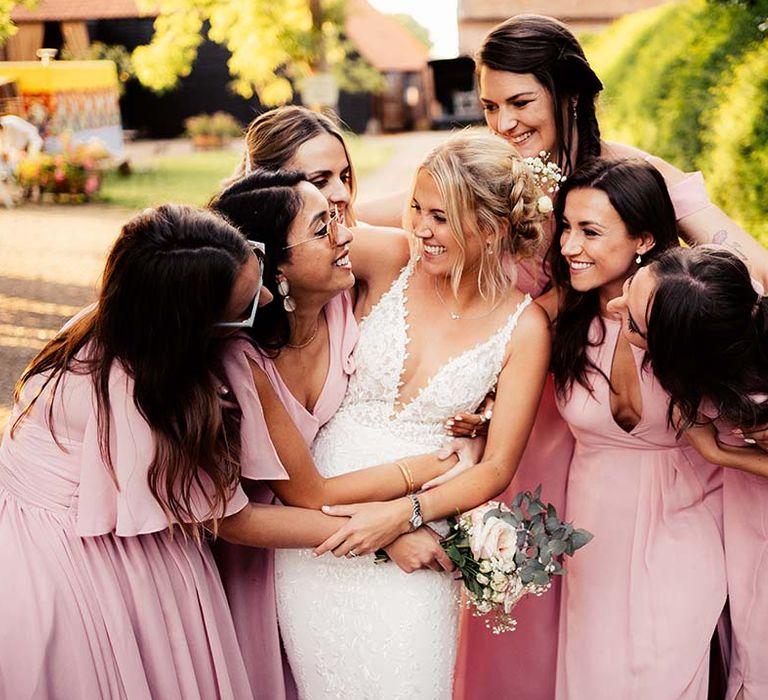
<point x="471" y="424"/>
<point x="756" y="436"/>
<point x="419" y="550"/>
<point x="371" y="526"/>
<point x="468" y="450"/>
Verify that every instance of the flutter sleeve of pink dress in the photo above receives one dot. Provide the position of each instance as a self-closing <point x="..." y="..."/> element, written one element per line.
<point x="98" y="599"/>
<point x="124" y="504"/>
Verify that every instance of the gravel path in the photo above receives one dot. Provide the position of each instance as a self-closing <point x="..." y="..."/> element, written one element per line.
<point x="51" y="256"/>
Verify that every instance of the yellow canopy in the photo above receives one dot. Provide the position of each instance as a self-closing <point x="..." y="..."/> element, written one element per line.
<point x="60" y="76"/>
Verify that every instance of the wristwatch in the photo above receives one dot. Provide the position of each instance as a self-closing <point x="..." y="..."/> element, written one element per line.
<point x="416" y="520"/>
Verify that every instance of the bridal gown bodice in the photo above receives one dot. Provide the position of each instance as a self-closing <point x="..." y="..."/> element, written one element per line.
<point x="352" y="628"/>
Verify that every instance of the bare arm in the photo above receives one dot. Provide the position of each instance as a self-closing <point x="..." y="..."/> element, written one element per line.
<point x="280" y="527"/>
<point x="704" y="440"/>
<point x="517" y="398"/>
<point x="708" y="225"/>
<point x="386" y="211"/>
<point x="308" y="488"/>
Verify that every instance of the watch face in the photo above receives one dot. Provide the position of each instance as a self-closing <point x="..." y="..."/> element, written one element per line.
<point x="417" y="521"/>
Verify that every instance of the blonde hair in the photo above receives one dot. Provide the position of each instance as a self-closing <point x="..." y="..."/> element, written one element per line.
<point x="274" y="137"/>
<point x="488" y="192"/>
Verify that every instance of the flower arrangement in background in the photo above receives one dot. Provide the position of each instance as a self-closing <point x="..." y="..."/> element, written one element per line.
<point x="504" y="552"/>
<point x="74" y="175"/>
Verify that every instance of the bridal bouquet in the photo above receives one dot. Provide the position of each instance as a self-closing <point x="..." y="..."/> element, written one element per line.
<point x="505" y="552"/>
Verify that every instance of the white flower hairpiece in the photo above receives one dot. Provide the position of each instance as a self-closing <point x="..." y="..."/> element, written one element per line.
<point x="548" y="176"/>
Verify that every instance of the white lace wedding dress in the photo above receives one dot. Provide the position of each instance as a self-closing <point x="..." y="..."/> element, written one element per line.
<point x="351" y="628"/>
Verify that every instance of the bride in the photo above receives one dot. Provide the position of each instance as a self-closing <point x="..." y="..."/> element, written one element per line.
<point x="437" y="334"/>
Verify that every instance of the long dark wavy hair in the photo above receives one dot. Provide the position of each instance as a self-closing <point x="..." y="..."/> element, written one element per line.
<point x="167" y="281"/>
<point x="639" y="195"/>
<point x="263" y="206"/>
<point x="547" y="49"/>
<point x="708" y="336"/>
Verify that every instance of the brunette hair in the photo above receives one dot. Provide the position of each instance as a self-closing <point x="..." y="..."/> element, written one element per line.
<point x="548" y="50"/>
<point x="272" y="139"/>
<point x="167" y="281"/>
<point x="708" y="336"/>
<point x="264" y="205"/>
<point x="639" y="195"/>
<point x="488" y="191"/>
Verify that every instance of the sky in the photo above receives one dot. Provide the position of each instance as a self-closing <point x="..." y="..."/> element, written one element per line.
<point x="438" y="16"/>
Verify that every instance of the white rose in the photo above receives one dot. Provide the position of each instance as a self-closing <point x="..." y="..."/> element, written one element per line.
<point x="544" y="204"/>
<point x="499" y="581"/>
<point x="482" y="579"/>
<point x="494" y="539"/>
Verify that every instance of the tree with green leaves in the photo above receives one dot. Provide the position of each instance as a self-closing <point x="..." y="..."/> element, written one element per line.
<point x="273" y="44"/>
<point x="7" y="27"/>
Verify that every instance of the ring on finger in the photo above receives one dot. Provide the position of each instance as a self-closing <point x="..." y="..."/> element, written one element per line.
<point x="473" y="433"/>
<point x="352" y="554"/>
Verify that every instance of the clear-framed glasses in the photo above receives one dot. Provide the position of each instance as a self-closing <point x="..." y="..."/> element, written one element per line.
<point x="258" y="250"/>
<point x="329" y="230"/>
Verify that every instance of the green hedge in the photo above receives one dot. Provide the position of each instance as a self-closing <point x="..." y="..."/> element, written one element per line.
<point x="687" y="81"/>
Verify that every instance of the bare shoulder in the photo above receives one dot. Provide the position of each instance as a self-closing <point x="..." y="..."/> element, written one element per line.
<point x="611" y="149"/>
<point x="533" y="323"/>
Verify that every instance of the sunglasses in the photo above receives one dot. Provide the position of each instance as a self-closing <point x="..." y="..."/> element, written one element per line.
<point x="328" y="230"/>
<point x="258" y="250"/>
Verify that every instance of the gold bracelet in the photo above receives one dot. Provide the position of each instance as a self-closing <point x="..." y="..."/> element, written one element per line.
<point x="405" y="470"/>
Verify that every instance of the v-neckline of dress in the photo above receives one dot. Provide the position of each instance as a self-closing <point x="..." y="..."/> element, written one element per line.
<point x="403" y="301"/>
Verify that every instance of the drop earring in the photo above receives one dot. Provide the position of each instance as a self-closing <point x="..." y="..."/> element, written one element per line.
<point x="489" y="248"/>
<point x="574" y="112"/>
<point x="284" y="289"/>
<point x="639" y="259"/>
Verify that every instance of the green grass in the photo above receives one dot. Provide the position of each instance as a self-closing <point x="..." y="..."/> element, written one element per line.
<point x="193" y="178"/>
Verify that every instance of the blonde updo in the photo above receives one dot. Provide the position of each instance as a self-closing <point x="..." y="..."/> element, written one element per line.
<point x="490" y="193"/>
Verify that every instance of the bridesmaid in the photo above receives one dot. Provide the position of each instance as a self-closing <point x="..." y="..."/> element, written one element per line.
<point x="539" y="93"/>
<point x="122" y="452"/>
<point x="640" y="607"/>
<point x="704" y="325"/>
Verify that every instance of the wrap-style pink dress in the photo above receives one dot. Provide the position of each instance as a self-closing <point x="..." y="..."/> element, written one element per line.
<point x="97" y="599"/>
<point x="248" y="572"/>
<point x="529" y="655"/>
<point x="641" y="601"/>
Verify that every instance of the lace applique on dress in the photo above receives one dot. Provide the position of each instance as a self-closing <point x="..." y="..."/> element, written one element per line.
<point x="353" y="629"/>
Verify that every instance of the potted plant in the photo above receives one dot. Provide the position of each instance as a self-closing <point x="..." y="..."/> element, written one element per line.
<point x="212" y="130"/>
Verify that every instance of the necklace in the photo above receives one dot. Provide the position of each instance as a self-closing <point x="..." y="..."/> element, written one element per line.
<point x="299" y="346"/>
<point x="458" y="317"/>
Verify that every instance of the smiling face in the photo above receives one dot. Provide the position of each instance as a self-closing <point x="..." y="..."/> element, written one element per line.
<point x="633" y="306"/>
<point x="519" y="109"/>
<point x="439" y="248"/>
<point x="596" y="244"/>
<point x="318" y="263"/>
<point x="324" y="161"/>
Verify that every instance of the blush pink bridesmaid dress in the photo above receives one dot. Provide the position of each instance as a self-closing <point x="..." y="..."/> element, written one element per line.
<point x="641" y="602"/>
<point x="97" y="598"/>
<point x="529" y="655"/>
<point x="248" y="572"/>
